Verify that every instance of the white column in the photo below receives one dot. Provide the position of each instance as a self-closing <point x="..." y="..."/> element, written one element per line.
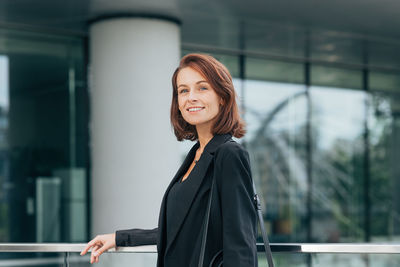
<point x="133" y="149"/>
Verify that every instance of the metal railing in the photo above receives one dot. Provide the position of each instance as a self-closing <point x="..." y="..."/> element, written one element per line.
<point x="352" y="248"/>
<point x="346" y="248"/>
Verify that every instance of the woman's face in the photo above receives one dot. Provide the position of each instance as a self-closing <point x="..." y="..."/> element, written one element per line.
<point x="197" y="100"/>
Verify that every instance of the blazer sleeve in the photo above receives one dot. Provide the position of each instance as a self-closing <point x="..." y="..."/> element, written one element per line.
<point x="239" y="217"/>
<point x="136" y="237"/>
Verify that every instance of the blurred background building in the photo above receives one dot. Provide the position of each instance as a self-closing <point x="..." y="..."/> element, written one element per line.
<point x="85" y="141"/>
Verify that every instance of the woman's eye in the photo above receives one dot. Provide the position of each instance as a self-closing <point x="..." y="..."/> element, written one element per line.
<point x="183" y="91"/>
<point x="203" y="88"/>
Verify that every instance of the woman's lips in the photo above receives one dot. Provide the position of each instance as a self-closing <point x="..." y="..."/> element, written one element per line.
<point x="195" y="109"/>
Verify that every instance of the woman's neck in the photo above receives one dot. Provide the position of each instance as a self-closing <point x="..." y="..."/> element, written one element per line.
<point x="204" y="136"/>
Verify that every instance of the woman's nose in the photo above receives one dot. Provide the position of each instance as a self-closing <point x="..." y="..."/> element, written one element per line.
<point x="192" y="95"/>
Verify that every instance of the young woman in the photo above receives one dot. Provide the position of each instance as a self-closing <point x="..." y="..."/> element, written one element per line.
<point x="204" y="109"/>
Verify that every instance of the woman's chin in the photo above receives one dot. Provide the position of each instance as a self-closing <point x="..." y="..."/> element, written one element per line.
<point x="194" y="122"/>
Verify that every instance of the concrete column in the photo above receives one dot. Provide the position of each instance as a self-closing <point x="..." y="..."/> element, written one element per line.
<point x="133" y="149"/>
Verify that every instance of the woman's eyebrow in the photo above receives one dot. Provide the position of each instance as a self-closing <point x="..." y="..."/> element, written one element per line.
<point x="196" y="83"/>
<point x="201" y="82"/>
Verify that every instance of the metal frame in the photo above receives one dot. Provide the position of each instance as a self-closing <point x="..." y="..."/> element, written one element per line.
<point x="283" y="58"/>
<point x="343" y="248"/>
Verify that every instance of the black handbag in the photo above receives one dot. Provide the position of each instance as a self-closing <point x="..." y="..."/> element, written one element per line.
<point x="217" y="260"/>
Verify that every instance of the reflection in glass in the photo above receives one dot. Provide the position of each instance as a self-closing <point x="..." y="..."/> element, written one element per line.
<point x="384" y="122"/>
<point x="216" y="31"/>
<point x="43" y="196"/>
<point x="4" y="83"/>
<point x="381" y="81"/>
<point x="335" y="77"/>
<point x="4" y="155"/>
<point x="354" y="260"/>
<point x="276" y="117"/>
<point x="271" y="70"/>
<point x="338" y="166"/>
<point x="274" y="39"/>
<point x="331" y="260"/>
<point x="385" y="54"/>
<point x="285" y="260"/>
<point x="333" y="46"/>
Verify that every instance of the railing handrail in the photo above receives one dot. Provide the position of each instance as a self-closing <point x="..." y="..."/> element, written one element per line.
<point x="348" y="248"/>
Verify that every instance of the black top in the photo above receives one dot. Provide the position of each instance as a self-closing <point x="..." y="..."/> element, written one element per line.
<point x="175" y="204"/>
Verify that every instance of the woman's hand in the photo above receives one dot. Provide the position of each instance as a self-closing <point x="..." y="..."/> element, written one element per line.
<point x="99" y="244"/>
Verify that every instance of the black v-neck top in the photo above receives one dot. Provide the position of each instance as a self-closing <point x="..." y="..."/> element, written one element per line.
<point x="175" y="202"/>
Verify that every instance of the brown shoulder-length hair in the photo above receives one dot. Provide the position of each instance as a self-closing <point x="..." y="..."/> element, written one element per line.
<point x="217" y="75"/>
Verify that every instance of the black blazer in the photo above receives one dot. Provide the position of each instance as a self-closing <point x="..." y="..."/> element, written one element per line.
<point x="233" y="220"/>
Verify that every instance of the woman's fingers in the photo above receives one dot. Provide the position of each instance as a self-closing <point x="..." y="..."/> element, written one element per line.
<point x="86" y="249"/>
<point x="101" y="249"/>
<point x="90" y="244"/>
<point x="93" y="254"/>
<point x="99" y="244"/>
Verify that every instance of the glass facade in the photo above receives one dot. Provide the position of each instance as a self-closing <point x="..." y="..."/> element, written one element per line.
<point x="322" y="114"/>
<point x="323" y="117"/>
<point x="44" y="154"/>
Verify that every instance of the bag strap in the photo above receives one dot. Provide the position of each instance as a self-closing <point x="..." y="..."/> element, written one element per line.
<point x="257" y="205"/>
<point x="267" y="247"/>
<point x="205" y="226"/>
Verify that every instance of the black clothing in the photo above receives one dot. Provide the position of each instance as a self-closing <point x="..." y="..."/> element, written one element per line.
<point x="233" y="220"/>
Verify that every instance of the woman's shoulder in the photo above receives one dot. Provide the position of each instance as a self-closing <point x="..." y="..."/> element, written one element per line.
<point x="232" y="163"/>
<point x="231" y="148"/>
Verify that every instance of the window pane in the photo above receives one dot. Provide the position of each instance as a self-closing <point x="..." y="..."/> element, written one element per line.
<point x="273" y="39"/>
<point x="269" y="70"/>
<point x="276" y="118"/>
<point x="379" y="81"/>
<point x="211" y="31"/>
<point x="334" y="77"/>
<point x="338" y="164"/>
<point x="384" y="54"/>
<point x="384" y="125"/>
<point x="336" y="47"/>
<point x="231" y="62"/>
<point x="43" y="138"/>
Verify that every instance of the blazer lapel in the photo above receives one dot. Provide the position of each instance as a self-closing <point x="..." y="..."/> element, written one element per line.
<point x="196" y="179"/>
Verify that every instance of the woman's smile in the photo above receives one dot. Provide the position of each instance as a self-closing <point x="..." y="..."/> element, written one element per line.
<point x="195" y="109"/>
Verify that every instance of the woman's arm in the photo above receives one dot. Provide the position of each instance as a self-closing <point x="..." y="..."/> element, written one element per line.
<point x="239" y="217"/>
<point x="122" y="238"/>
<point x="136" y="237"/>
